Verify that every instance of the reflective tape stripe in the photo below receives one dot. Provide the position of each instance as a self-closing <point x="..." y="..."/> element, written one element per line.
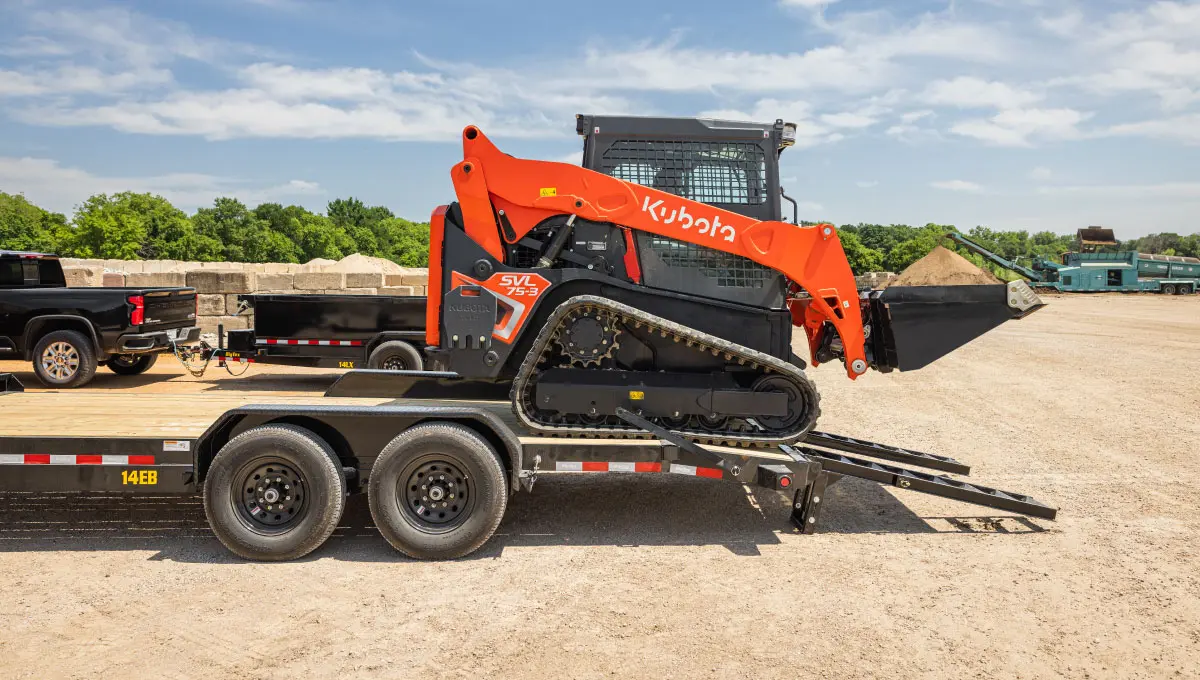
<point x="327" y="343"/>
<point x="72" y="459"/>
<point x="606" y="466"/>
<point x="712" y="473"/>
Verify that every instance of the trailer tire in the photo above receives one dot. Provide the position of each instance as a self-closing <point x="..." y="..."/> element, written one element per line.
<point x="1183" y="289"/>
<point x="1168" y="289"/>
<point x="64" y="359"/>
<point x="396" y="355"/>
<point x="236" y="477"/>
<point x="470" y="484"/>
<point x="131" y="364"/>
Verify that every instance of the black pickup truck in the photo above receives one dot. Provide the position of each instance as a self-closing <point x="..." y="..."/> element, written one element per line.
<point x="68" y="332"/>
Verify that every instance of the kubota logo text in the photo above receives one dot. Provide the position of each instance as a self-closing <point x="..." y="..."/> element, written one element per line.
<point x="712" y="228"/>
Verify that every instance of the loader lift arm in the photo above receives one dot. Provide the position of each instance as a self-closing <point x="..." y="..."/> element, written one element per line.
<point x="491" y="184"/>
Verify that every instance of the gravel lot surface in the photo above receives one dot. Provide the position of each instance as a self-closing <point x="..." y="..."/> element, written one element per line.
<point x="1092" y="405"/>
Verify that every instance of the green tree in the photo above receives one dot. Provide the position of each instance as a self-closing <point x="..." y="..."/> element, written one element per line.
<point x="404" y="242"/>
<point x="246" y="237"/>
<point x="25" y="226"/>
<point x="862" y="259"/>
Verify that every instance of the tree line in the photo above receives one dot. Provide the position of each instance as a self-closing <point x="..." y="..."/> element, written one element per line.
<point x="132" y="226"/>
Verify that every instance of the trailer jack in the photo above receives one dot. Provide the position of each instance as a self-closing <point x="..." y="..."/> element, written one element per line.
<point x="9" y="384"/>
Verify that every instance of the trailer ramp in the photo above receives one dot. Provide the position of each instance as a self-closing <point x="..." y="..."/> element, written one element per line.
<point x="832" y="462"/>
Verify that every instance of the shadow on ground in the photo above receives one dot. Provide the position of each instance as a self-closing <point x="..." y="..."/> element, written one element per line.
<point x="563" y="510"/>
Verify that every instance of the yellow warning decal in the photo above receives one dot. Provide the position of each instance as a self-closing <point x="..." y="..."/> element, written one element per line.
<point x="636" y="395"/>
<point x="549" y="191"/>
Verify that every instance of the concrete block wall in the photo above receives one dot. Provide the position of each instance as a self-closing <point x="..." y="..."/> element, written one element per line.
<point x="218" y="284"/>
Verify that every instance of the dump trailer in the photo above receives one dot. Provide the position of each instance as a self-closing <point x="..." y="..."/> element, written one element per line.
<point x="329" y="331"/>
<point x="634" y="318"/>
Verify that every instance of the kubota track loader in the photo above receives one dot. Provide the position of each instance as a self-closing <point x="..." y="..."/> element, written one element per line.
<point x="666" y="285"/>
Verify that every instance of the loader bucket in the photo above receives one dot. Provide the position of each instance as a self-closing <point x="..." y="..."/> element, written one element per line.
<point x="9" y="384"/>
<point x="913" y="326"/>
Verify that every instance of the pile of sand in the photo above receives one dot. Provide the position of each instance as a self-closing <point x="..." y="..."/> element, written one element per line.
<point x="357" y="263"/>
<point x="942" y="267"/>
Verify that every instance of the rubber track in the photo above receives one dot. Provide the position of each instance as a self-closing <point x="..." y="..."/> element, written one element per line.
<point x="543" y="343"/>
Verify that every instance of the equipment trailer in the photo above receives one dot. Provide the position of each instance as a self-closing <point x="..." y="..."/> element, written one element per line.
<point x="438" y="472"/>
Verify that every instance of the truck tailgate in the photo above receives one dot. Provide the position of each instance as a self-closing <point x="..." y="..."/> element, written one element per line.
<point x="169" y="307"/>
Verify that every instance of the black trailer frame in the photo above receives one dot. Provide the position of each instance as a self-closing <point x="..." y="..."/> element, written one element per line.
<point x="358" y="433"/>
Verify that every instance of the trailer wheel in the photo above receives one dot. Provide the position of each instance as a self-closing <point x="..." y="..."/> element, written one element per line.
<point x="1183" y="289"/>
<point x="1168" y="289"/>
<point x="131" y="364"/>
<point x="274" y="493"/>
<point x="64" y="359"/>
<point x="437" y="491"/>
<point x="396" y="355"/>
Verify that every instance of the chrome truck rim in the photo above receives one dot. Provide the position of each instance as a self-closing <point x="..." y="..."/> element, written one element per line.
<point x="60" y="361"/>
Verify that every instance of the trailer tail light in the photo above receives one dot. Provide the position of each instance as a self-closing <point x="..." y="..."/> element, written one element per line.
<point x="137" y="316"/>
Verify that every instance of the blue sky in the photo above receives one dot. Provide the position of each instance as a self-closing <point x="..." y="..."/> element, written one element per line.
<point x="1015" y="114"/>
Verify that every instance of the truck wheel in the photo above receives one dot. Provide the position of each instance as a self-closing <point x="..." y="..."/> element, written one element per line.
<point x="1168" y="289"/>
<point x="274" y="493"/>
<point x="1183" y="289"/>
<point x="64" y="359"/>
<point x="131" y="364"/>
<point x="437" y="491"/>
<point x="396" y="355"/>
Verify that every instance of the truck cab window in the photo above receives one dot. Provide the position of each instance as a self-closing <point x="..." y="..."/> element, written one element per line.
<point x="11" y="274"/>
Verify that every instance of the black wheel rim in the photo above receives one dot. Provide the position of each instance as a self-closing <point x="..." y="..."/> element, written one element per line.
<point x="435" y="493"/>
<point x="272" y="497"/>
<point x="395" y="364"/>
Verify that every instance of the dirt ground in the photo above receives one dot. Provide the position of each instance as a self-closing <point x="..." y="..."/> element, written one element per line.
<point x="1092" y="405"/>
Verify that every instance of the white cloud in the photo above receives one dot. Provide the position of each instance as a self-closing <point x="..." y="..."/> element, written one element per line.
<point x="1184" y="129"/>
<point x="957" y="185"/>
<point x="865" y="184"/>
<point x="807" y="4"/>
<point x="913" y="116"/>
<point x="1181" y="190"/>
<point x="1020" y="127"/>
<point x="847" y="119"/>
<point x="60" y="188"/>
<point x="1040" y="173"/>
<point x="968" y="92"/>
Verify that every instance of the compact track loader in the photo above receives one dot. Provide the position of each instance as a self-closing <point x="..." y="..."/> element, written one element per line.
<point x="664" y="283"/>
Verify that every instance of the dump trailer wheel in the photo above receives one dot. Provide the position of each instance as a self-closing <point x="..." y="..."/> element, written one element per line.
<point x="274" y="493"/>
<point x="396" y="355"/>
<point x="1168" y="289"/>
<point x="64" y="359"/>
<point x="131" y="364"/>
<point x="437" y="491"/>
